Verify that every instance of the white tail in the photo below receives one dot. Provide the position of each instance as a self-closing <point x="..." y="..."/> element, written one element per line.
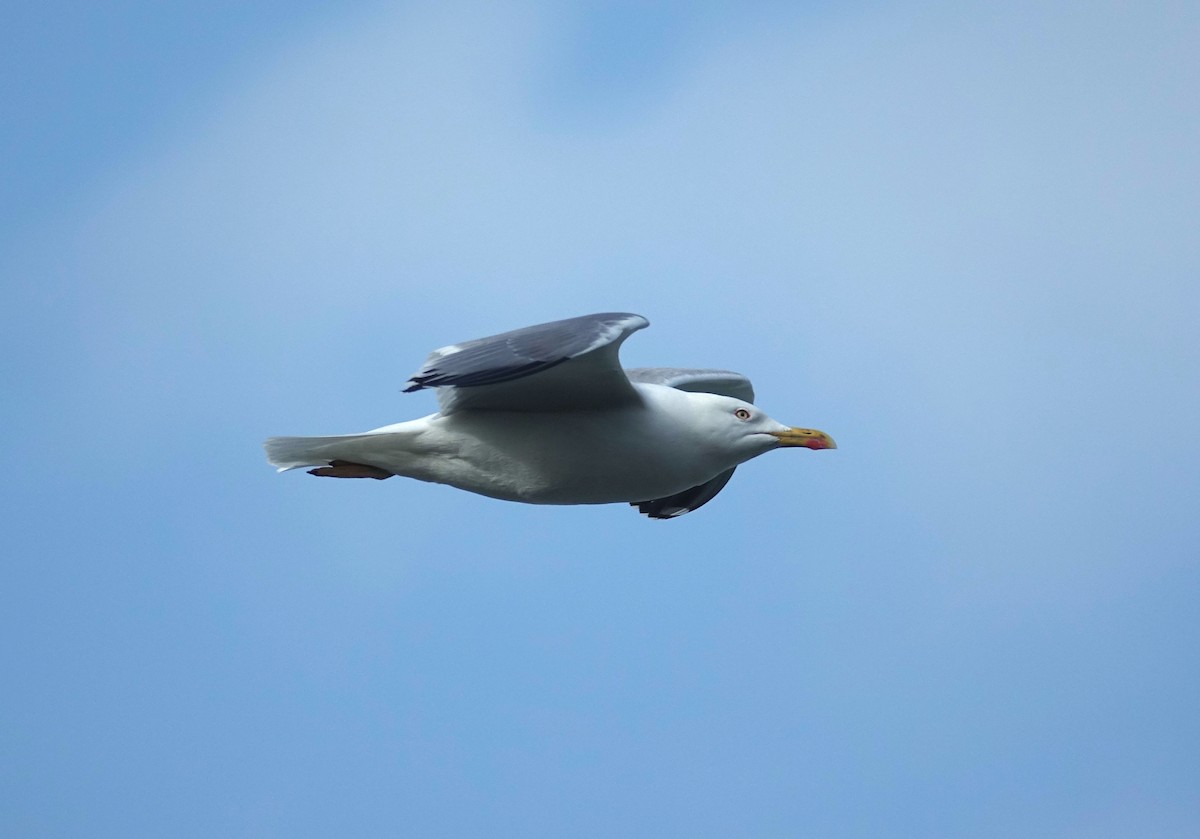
<point x="286" y="453"/>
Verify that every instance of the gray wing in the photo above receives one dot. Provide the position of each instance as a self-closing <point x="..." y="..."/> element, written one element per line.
<point x="564" y="365"/>
<point x="684" y="502"/>
<point x="722" y="382"/>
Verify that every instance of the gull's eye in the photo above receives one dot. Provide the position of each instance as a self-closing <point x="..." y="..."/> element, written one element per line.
<point x="742" y="414"/>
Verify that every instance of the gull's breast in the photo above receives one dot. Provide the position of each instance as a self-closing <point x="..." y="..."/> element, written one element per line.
<point x="585" y="457"/>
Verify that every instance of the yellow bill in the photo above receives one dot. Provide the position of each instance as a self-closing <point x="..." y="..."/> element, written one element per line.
<point x="809" y="438"/>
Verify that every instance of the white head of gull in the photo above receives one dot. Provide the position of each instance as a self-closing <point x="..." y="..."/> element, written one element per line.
<point x="547" y="415"/>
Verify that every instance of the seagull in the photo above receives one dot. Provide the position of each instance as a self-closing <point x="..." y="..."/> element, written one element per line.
<point x="546" y="415"/>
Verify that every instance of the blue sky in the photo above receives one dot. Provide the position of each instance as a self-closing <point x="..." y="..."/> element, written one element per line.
<point x="959" y="238"/>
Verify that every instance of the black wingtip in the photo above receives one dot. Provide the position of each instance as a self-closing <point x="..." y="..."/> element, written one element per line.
<point x="674" y="506"/>
<point x="657" y="510"/>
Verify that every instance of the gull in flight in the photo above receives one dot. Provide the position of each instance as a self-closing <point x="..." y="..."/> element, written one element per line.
<point x="547" y="415"/>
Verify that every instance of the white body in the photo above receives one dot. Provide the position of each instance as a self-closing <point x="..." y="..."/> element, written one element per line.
<point x="672" y="440"/>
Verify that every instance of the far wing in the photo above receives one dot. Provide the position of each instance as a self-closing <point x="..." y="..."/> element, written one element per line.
<point x="564" y="365"/>
<point x="721" y="382"/>
<point x="684" y="502"/>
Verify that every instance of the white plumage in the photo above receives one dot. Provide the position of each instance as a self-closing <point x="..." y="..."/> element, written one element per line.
<point x="546" y="415"/>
